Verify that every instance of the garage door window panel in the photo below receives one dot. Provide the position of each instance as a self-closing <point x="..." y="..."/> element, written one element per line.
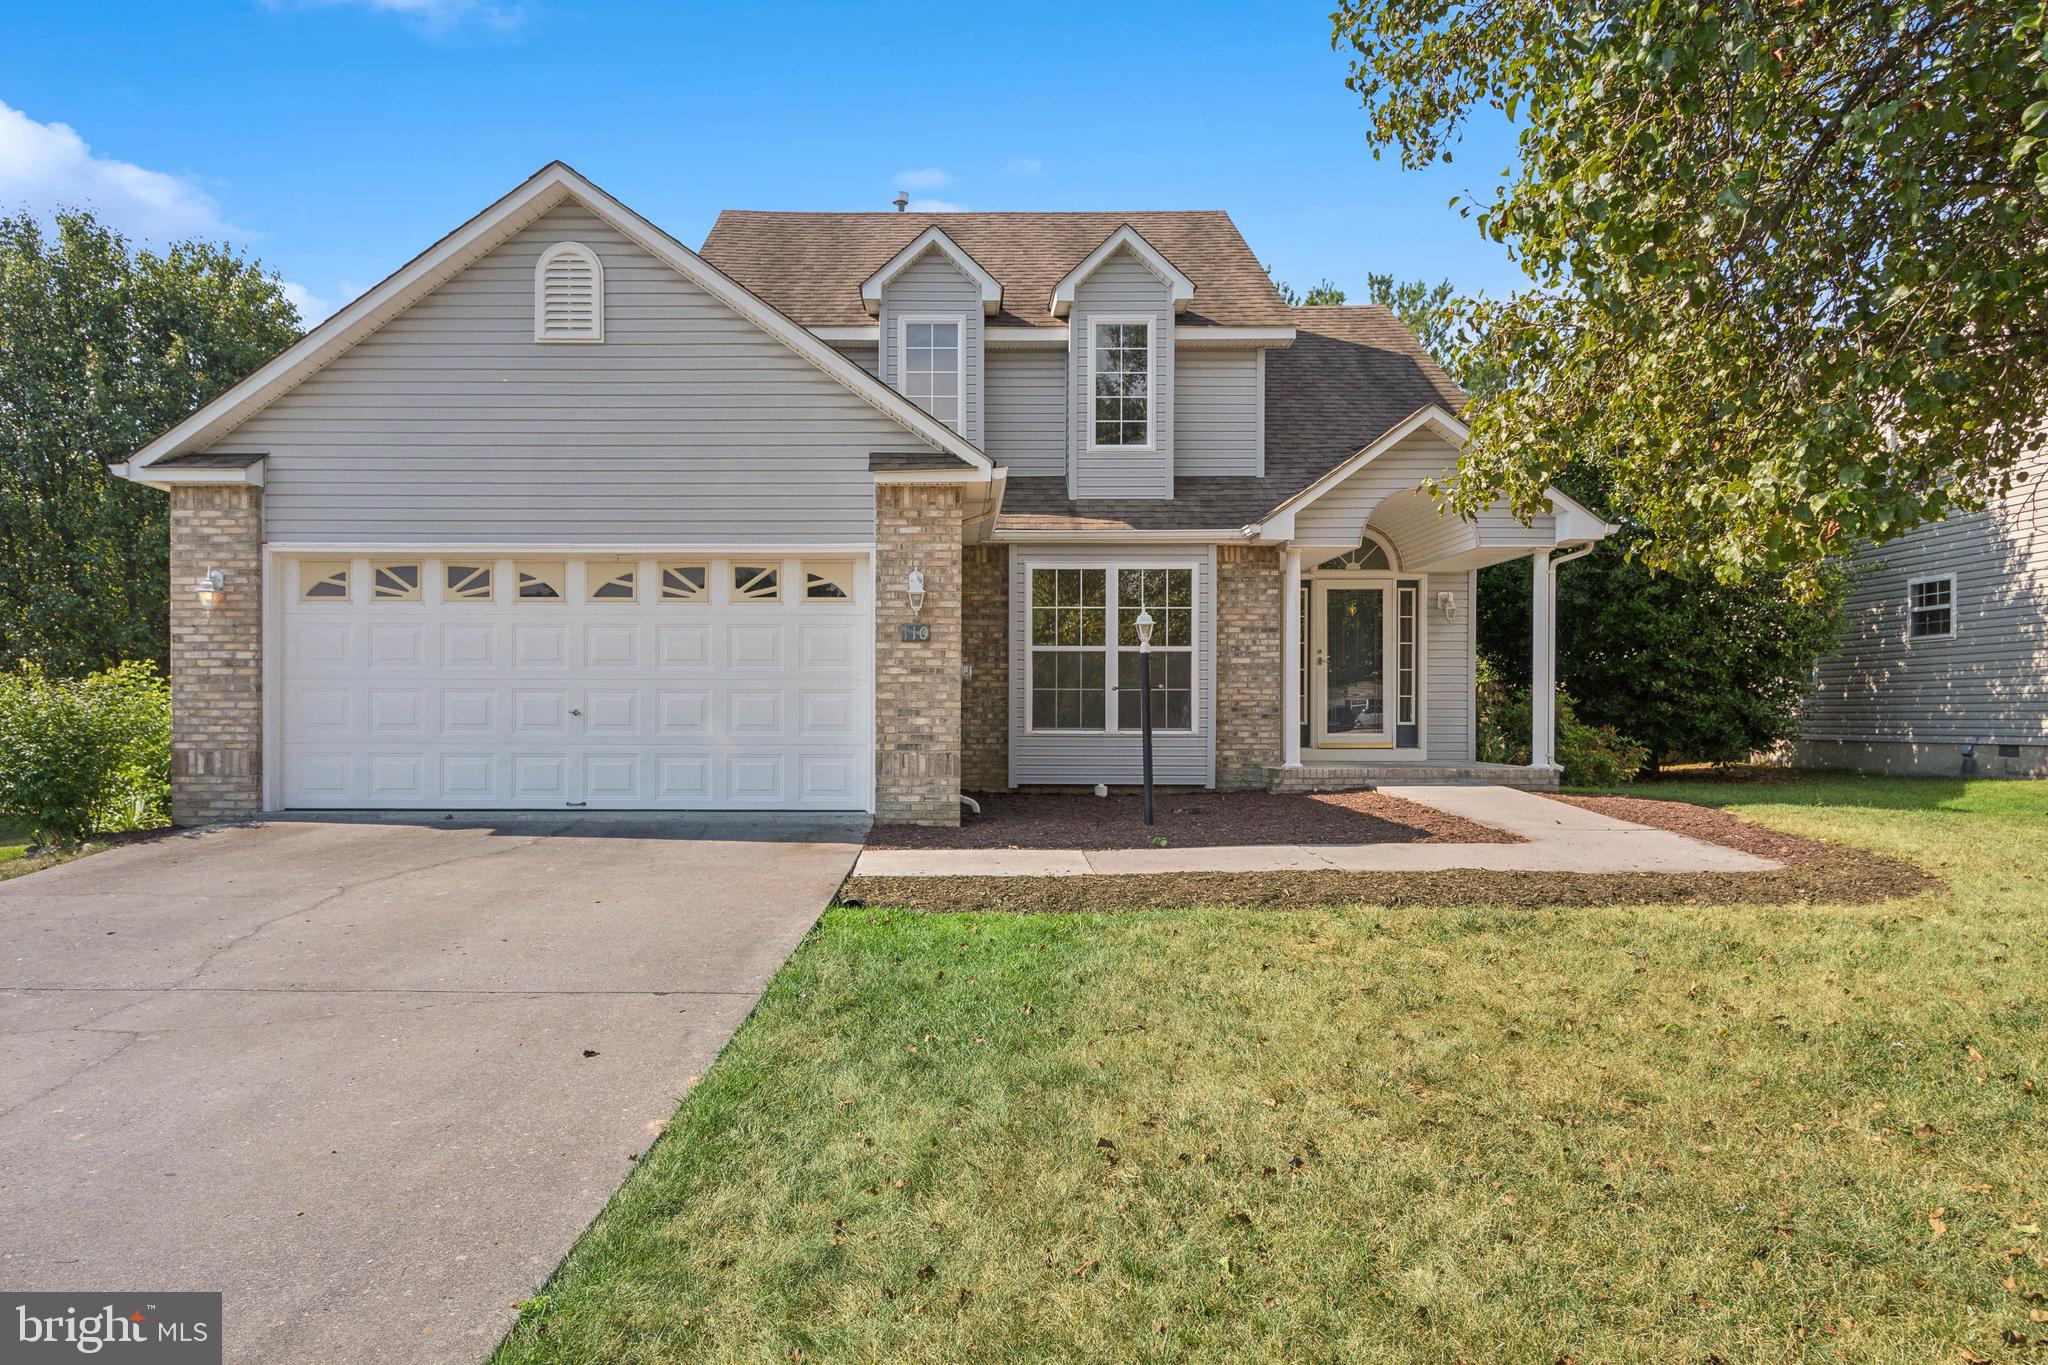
<point x="828" y="582"/>
<point x="541" y="580"/>
<point x="756" y="583"/>
<point x="395" y="581"/>
<point x="323" y="580"/>
<point x="611" y="583"/>
<point x="682" y="582"/>
<point x="465" y="582"/>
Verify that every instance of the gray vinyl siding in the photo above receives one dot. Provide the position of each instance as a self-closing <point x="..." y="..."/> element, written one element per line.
<point x="1219" y="413"/>
<point x="1084" y="759"/>
<point x="1122" y="286"/>
<point x="451" y="425"/>
<point x="933" y="284"/>
<point x="864" y="354"/>
<point x="1447" y="677"/>
<point x="1027" y="412"/>
<point x="1989" y="682"/>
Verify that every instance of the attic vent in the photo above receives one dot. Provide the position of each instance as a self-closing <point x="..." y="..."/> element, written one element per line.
<point x="568" y="294"/>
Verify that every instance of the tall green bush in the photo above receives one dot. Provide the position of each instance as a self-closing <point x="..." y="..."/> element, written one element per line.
<point x="85" y="756"/>
<point x="1591" y="755"/>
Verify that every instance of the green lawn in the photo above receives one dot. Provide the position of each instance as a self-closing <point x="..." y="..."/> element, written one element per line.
<point x="1643" y="1134"/>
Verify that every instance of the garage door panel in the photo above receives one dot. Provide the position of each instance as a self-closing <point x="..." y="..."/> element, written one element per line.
<point x="492" y="701"/>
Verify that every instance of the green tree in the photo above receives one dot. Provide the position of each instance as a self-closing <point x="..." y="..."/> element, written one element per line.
<point x="101" y="347"/>
<point x="1693" y="669"/>
<point x="1787" y="261"/>
<point x="1323" y="295"/>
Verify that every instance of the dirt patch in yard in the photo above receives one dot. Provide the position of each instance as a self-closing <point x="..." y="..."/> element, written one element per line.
<point x="1193" y="820"/>
<point x="1838" y="876"/>
<point x="1703" y="823"/>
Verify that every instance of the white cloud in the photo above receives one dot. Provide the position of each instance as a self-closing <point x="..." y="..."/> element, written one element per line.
<point x="936" y="206"/>
<point x="436" y="16"/>
<point x="930" y="178"/>
<point x="46" y="166"/>
<point x="1023" y="165"/>
<point x="317" y="308"/>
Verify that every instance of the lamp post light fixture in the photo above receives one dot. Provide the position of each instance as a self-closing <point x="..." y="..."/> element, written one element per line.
<point x="1144" y="627"/>
<point x="913" y="588"/>
<point x="209" y="588"/>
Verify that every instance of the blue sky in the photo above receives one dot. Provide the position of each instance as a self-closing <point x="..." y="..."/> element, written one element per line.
<point x="336" y="138"/>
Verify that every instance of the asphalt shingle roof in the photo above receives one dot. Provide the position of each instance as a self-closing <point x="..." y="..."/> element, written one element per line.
<point x="1352" y="375"/>
<point x="810" y="265"/>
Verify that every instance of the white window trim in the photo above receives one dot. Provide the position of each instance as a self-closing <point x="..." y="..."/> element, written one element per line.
<point x="1151" y="386"/>
<point x="1954" y="604"/>
<point x="958" y="320"/>
<point x="1111" y="649"/>
<point x="540" y="285"/>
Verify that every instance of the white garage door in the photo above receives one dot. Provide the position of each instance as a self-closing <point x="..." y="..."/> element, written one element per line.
<point x="625" y="682"/>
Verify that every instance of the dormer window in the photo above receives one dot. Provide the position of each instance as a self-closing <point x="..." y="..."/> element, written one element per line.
<point x="1120" y="364"/>
<point x="931" y="353"/>
<point x="568" y="294"/>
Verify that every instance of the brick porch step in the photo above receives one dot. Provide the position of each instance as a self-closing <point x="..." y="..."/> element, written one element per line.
<point x="1337" y="777"/>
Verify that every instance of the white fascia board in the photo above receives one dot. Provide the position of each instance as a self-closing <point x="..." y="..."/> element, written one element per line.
<point x="165" y="478"/>
<point x="541" y="192"/>
<point x="1169" y="274"/>
<point x="1575" y="522"/>
<point x="1233" y="336"/>
<point x="1434" y="415"/>
<point x="1193" y="535"/>
<point x="887" y="476"/>
<point x="931" y="238"/>
<point x="842" y="336"/>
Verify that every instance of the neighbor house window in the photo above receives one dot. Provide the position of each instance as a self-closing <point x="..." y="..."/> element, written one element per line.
<point x="1084" y="647"/>
<point x="1121" y="367"/>
<point x="931" y="365"/>
<point x="1931" y="608"/>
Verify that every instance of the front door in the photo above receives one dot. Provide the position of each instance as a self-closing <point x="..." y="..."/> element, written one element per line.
<point x="1351" y="641"/>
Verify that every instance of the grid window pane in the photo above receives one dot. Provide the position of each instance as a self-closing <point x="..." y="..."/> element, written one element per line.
<point x="931" y="368"/>
<point x="1122" y="405"/>
<point x="1930" y="608"/>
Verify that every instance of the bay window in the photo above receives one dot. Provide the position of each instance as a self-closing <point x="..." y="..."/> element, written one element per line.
<point x="1083" y="642"/>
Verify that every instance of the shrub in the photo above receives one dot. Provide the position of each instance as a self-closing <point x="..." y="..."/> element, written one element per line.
<point x="86" y="756"/>
<point x="1591" y="755"/>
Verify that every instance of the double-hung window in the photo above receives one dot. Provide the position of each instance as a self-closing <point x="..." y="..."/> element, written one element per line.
<point x="1120" y="368"/>
<point x="1931" y="608"/>
<point x="930" y="359"/>
<point x="1084" y="667"/>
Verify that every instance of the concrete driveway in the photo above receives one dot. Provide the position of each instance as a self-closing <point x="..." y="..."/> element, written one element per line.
<point x="370" y="1077"/>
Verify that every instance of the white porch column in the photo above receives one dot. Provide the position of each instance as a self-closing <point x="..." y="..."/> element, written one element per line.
<point x="1290" y="670"/>
<point x="1542" y="663"/>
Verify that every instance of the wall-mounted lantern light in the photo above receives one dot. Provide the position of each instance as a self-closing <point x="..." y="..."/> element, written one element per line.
<point x="913" y="588"/>
<point x="209" y="588"/>
<point x="1447" y="603"/>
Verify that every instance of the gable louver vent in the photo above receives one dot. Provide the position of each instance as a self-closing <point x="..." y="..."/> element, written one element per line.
<point x="568" y="294"/>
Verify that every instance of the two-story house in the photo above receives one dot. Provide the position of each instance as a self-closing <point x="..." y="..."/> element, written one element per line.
<point x="843" y="511"/>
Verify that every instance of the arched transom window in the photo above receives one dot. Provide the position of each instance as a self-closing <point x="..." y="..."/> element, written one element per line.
<point x="1369" y="553"/>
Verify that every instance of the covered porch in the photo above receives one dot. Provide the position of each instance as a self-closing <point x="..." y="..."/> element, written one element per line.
<point x="1379" y="600"/>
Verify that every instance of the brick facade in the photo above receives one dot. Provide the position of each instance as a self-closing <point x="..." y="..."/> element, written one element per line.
<point x="985" y="623"/>
<point x="216" y="654"/>
<point x="1249" y="674"/>
<point x="917" y="686"/>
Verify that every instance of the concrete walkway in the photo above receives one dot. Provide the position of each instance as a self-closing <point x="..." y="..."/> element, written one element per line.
<point x="370" y="1076"/>
<point x="1561" y="838"/>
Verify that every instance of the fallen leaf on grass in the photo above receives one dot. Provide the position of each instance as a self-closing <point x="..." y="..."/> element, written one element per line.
<point x="1934" y="1220"/>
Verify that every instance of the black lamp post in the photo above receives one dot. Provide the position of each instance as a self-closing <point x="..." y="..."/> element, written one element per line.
<point x="1144" y="625"/>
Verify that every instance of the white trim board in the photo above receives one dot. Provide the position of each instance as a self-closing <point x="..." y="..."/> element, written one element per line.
<point x="544" y="190"/>
<point x="1126" y="237"/>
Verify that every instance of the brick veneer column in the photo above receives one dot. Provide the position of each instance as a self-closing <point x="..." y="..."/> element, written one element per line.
<point x="1249" y="676"/>
<point x="917" y="686"/>
<point x="985" y="708"/>
<point x="216" y="654"/>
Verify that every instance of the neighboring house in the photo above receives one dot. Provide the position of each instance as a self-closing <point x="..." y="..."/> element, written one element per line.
<point x="846" y="511"/>
<point x="1942" y="667"/>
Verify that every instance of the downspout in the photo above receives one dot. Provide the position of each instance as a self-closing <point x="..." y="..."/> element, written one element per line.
<point x="1543" y="692"/>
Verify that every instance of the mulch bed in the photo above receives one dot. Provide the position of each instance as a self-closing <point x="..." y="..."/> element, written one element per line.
<point x="1704" y="823"/>
<point x="1202" y="819"/>
<point x="1814" y="873"/>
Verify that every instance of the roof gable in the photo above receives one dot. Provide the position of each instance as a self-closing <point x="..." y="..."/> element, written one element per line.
<point x="553" y="185"/>
<point x="932" y="239"/>
<point x="1125" y="238"/>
